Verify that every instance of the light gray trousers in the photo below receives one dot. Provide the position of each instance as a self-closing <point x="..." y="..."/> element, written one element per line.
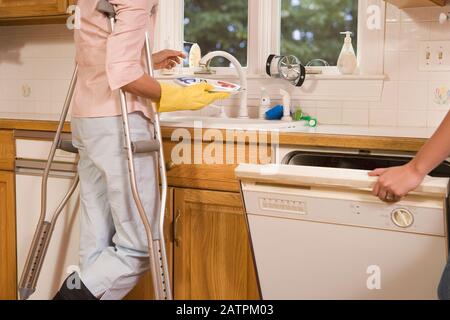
<point x="113" y="246"/>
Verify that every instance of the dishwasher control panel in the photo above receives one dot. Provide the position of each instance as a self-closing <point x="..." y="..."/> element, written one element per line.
<point x="279" y="205"/>
<point x="422" y="216"/>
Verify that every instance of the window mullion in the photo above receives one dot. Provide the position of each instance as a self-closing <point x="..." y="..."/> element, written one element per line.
<point x="169" y="33"/>
<point x="264" y="33"/>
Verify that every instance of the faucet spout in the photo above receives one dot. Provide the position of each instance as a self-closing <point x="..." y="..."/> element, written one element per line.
<point x="205" y="62"/>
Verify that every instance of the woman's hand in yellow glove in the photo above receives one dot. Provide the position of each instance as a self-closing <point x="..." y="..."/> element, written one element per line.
<point x="174" y="98"/>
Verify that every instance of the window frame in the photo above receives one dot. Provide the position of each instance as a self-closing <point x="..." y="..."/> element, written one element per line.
<point x="264" y="38"/>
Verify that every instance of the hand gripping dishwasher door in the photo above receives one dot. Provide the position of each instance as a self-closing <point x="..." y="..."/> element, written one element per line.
<point x="319" y="233"/>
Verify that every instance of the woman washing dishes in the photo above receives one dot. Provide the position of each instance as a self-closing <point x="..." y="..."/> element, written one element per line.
<point x="113" y="244"/>
<point x="395" y="183"/>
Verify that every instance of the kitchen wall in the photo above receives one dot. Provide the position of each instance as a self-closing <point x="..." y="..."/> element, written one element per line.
<point x="36" y="63"/>
<point x="409" y="96"/>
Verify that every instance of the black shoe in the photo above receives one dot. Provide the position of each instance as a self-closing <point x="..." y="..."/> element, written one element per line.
<point x="69" y="291"/>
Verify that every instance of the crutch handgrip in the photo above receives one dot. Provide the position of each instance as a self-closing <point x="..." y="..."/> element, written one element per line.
<point x="67" y="146"/>
<point x="106" y="8"/>
<point x="146" y="146"/>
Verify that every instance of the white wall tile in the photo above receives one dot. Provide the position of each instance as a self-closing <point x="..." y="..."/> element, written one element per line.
<point x="411" y="33"/>
<point x="412" y="118"/>
<point x="389" y="96"/>
<point x="393" y="13"/>
<point x="392" y="65"/>
<point x="409" y="67"/>
<point x="383" y="117"/>
<point x="392" y="36"/>
<point x="439" y="32"/>
<point x="416" y="14"/>
<point x="329" y="104"/>
<point x="356" y="117"/>
<point x="329" y="116"/>
<point x="413" y="95"/>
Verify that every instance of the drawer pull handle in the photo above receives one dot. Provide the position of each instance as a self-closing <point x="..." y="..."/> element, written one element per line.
<point x="176" y="239"/>
<point x="170" y="165"/>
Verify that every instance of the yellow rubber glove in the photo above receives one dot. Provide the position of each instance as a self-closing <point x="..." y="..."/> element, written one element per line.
<point x="174" y="98"/>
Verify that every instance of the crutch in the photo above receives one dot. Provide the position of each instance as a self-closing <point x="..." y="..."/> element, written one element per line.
<point x="44" y="230"/>
<point x="156" y="245"/>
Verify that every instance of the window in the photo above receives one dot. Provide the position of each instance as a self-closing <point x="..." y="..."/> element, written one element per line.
<point x="310" y="29"/>
<point x="253" y="29"/>
<point x="217" y="25"/>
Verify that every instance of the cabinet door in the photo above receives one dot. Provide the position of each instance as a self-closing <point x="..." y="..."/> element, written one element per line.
<point x="213" y="260"/>
<point x="144" y="289"/>
<point x="8" y="274"/>
<point x="32" y="8"/>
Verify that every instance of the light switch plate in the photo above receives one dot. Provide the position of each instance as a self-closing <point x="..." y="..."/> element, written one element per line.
<point x="434" y="56"/>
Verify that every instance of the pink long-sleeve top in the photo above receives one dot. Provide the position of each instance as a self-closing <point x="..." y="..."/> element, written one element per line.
<point x="108" y="61"/>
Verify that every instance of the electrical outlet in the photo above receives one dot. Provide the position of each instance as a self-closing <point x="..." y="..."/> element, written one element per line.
<point x="434" y="56"/>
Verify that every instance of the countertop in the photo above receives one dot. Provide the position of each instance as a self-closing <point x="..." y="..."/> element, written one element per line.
<point x="379" y="138"/>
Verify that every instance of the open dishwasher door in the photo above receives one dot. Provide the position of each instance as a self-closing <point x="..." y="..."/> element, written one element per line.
<point x="319" y="233"/>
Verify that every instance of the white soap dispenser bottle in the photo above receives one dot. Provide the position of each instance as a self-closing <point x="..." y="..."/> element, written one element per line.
<point x="347" y="62"/>
<point x="264" y="104"/>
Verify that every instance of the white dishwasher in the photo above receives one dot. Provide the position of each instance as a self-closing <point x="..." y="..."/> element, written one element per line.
<point x="319" y="233"/>
<point x="62" y="255"/>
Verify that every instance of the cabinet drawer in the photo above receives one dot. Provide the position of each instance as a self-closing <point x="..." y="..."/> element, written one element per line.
<point x="32" y="8"/>
<point x="209" y="167"/>
<point x="7" y="150"/>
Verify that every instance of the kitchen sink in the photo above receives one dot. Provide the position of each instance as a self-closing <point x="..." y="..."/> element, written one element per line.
<point x="228" y="123"/>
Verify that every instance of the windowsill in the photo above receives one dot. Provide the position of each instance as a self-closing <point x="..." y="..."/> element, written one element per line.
<point x="330" y="87"/>
<point x="227" y="75"/>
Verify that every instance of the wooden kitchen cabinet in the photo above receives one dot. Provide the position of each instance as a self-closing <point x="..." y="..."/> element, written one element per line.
<point x="144" y="289"/>
<point x="213" y="260"/>
<point x="416" y="3"/>
<point x="8" y="275"/>
<point x="7" y="150"/>
<point x="18" y="10"/>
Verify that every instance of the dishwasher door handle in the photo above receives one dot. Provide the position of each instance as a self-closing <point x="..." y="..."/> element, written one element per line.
<point x="328" y="178"/>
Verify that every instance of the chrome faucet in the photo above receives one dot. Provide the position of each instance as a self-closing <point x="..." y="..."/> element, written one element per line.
<point x="205" y="63"/>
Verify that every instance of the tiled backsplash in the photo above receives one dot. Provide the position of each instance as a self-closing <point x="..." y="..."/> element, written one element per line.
<point x="40" y="59"/>
<point x="36" y="63"/>
<point x="409" y="95"/>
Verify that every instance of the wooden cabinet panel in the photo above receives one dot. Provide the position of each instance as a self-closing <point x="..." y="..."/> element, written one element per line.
<point x="32" y="8"/>
<point x="7" y="150"/>
<point x="196" y="172"/>
<point x="213" y="259"/>
<point x="144" y="289"/>
<point x="8" y="275"/>
<point x="416" y="3"/>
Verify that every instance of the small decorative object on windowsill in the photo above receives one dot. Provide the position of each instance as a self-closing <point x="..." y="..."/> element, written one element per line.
<point x="288" y="68"/>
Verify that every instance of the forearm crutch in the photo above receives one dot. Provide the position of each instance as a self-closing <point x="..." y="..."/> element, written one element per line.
<point x="156" y="245"/>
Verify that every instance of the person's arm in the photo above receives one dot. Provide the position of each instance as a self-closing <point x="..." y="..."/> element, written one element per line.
<point x="395" y="183"/>
<point x="145" y="87"/>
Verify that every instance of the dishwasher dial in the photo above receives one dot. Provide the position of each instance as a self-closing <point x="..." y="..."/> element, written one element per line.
<point x="402" y="218"/>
